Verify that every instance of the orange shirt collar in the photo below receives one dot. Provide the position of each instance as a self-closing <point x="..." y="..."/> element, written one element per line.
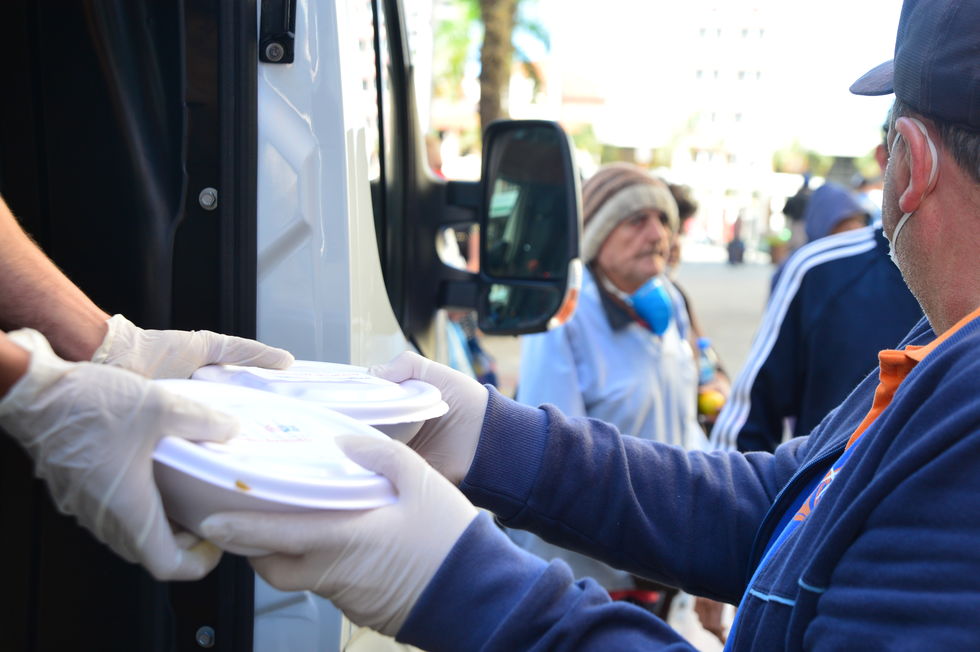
<point x="894" y="366"/>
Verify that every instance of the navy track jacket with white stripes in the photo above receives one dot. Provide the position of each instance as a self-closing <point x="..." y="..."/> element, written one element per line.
<point x="838" y="302"/>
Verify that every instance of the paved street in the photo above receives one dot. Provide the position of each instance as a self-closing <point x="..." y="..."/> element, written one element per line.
<point x="728" y="301"/>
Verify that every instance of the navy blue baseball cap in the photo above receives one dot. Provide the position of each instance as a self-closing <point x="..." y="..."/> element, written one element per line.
<point x="936" y="69"/>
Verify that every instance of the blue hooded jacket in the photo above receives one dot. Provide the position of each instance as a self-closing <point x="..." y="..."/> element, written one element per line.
<point x="828" y="205"/>
<point x="837" y="303"/>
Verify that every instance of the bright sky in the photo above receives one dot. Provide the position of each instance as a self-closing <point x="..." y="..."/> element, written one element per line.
<point x="812" y="52"/>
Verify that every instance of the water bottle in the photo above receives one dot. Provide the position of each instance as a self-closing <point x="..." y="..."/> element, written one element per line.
<point x="710" y="400"/>
<point x="707" y="361"/>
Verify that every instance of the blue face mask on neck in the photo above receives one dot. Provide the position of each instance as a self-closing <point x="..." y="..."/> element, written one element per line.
<point x="652" y="303"/>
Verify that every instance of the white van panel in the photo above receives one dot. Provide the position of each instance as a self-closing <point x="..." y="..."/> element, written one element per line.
<point x="320" y="289"/>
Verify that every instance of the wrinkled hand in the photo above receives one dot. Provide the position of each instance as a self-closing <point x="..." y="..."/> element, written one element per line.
<point x="91" y="431"/>
<point x="178" y="354"/>
<point x="372" y="564"/>
<point x="449" y="442"/>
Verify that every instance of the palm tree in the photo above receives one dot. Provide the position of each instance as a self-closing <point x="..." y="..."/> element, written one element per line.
<point x="500" y="21"/>
<point x="496" y="57"/>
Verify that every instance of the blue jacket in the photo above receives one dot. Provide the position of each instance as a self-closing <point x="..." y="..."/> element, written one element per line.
<point x="888" y="560"/>
<point x="839" y="301"/>
<point x="828" y="205"/>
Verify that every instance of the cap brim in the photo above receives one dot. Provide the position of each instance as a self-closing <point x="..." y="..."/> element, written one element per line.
<point x="877" y="81"/>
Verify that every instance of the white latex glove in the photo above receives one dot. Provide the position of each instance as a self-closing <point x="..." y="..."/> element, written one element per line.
<point x="372" y="564"/>
<point x="178" y="354"/>
<point x="449" y="442"/>
<point x="91" y="431"/>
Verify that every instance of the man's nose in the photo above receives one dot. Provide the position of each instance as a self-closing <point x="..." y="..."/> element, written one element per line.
<point x="655" y="229"/>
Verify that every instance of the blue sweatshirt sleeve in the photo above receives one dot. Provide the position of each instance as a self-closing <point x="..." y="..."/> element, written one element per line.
<point x="684" y="518"/>
<point x="491" y="595"/>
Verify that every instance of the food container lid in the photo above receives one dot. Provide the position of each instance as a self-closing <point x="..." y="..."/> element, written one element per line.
<point x="285" y="452"/>
<point x="346" y="388"/>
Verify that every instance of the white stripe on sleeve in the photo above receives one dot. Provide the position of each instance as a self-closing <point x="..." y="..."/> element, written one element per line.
<point x="724" y="434"/>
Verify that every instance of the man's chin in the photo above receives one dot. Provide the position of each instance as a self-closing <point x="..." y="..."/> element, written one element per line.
<point x="658" y="266"/>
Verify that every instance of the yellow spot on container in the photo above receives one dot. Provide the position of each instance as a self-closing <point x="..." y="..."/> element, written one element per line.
<point x="241" y="485"/>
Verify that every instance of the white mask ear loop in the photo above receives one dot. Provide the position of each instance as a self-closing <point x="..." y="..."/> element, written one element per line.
<point x="933" y="171"/>
<point x="933" y="153"/>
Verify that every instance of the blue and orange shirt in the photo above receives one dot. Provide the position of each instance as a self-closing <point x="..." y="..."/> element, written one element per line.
<point x="894" y="367"/>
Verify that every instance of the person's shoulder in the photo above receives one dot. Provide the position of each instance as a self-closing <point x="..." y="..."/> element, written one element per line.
<point x="674" y="290"/>
<point x="828" y="255"/>
<point x="961" y="348"/>
<point x="939" y="401"/>
<point x="946" y="377"/>
<point x="834" y="247"/>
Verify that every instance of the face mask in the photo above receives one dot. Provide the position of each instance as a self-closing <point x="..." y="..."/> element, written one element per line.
<point x="652" y="303"/>
<point x="934" y="168"/>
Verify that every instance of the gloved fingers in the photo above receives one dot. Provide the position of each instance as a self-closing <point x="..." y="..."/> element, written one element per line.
<point x="117" y="327"/>
<point x="389" y="457"/>
<point x="290" y="534"/>
<point x="177" y="354"/>
<point x="31" y="341"/>
<point x="193" y="563"/>
<point x="285" y="572"/>
<point x="227" y="349"/>
<point x="404" y="366"/>
<point x="184" y="539"/>
<point x="44" y="369"/>
<point x="180" y="557"/>
<point x="135" y="526"/>
<point x="188" y="419"/>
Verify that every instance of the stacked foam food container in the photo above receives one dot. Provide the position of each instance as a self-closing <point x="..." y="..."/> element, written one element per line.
<point x="285" y="457"/>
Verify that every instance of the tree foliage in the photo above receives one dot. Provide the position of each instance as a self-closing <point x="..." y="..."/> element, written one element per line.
<point x="796" y="159"/>
<point x="493" y="23"/>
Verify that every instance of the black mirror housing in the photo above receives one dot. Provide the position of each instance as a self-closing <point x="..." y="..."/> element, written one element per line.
<point x="530" y="227"/>
<point x="528" y="207"/>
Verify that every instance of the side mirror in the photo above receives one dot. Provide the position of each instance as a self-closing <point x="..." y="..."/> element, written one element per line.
<point x="530" y="225"/>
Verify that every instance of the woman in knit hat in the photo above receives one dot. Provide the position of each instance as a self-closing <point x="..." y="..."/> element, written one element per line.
<point x="618" y="359"/>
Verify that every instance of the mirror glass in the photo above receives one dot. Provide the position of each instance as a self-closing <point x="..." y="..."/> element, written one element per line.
<point x="528" y="180"/>
<point x="518" y="308"/>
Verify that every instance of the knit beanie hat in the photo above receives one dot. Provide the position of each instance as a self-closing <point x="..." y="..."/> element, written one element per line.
<point x="618" y="191"/>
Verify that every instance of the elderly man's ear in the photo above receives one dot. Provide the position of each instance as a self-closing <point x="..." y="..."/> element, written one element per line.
<point x="915" y="163"/>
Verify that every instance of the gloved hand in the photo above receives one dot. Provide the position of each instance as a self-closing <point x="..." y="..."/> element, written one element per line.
<point x="449" y="442"/>
<point x="178" y="354"/>
<point x="372" y="564"/>
<point x="91" y="431"/>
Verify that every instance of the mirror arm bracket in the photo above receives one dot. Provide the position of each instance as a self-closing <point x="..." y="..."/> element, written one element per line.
<point x="463" y="202"/>
<point x="459" y="292"/>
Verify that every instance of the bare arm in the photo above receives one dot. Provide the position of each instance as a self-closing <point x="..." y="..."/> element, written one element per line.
<point x="34" y="293"/>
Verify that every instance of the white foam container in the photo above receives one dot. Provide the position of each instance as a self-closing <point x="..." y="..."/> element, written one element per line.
<point x="396" y="409"/>
<point x="284" y="460"/>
